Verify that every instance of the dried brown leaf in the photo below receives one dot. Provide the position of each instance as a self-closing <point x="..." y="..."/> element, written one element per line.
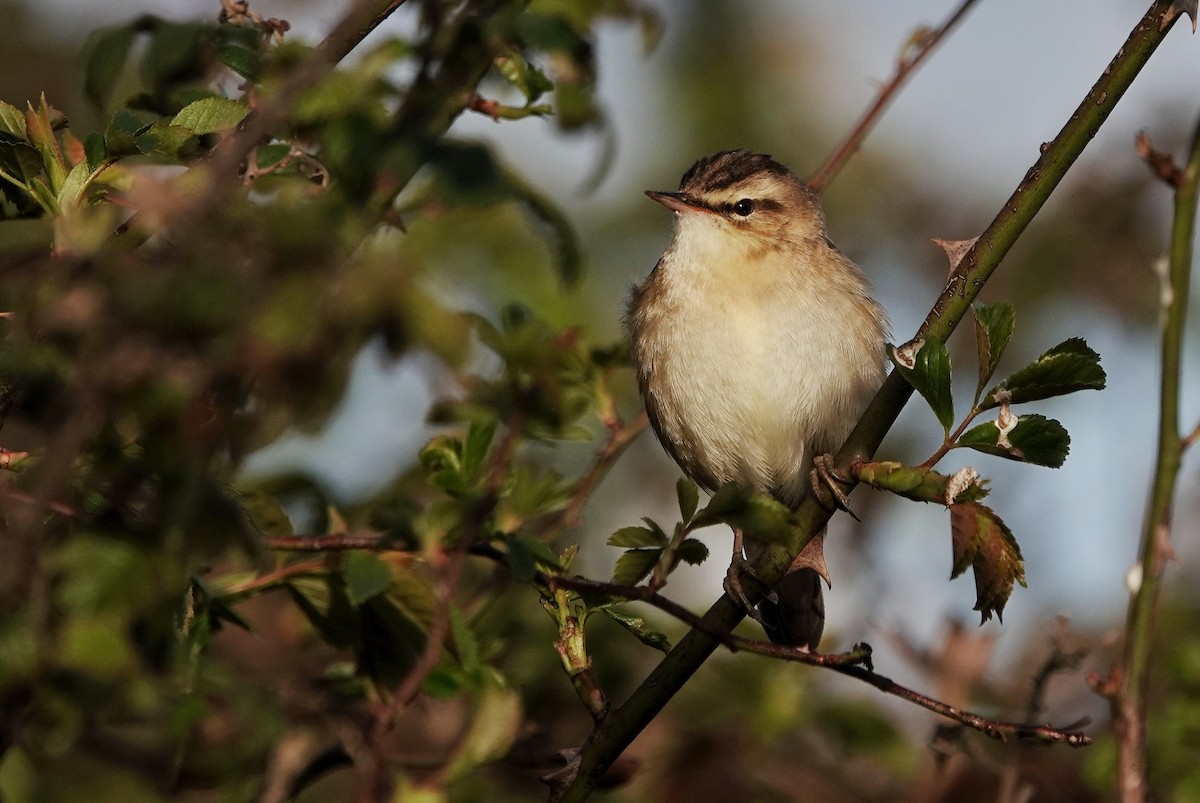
<point x="984" y="542"/>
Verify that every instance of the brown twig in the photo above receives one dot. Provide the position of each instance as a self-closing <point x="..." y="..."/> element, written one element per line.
<point x="1191" y="438"/>
<point x="855" y="663"/>
<point x="921" y="44"/>
<point x="620" y="436"/>
<point x="271" y="579"/>
<point x="333" y="542"/>
<point x="1160" y="162"/>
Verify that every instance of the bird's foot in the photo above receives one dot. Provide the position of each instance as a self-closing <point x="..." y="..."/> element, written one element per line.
<point x="743" y="585"/>
<point x="827" y="485"/>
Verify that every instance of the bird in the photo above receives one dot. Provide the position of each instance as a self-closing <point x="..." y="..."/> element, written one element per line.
<point x="757" y="346"/>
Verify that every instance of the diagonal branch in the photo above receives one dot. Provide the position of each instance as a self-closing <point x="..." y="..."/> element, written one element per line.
<point x="627" y="720"/>
<point x="923" y="43"/>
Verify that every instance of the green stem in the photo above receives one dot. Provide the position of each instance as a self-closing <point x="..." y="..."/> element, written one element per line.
<point x="623" y="723"/>
<point x="1129" y="701"/>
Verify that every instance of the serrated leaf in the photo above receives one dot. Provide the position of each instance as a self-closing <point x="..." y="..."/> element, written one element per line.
<point x="366" y="576"/>
<point x="637" y="626"/>
<point x="107" y="53"/>
<point x="693" y="552"/>
<point x="1070" y="366"/>
<point x="983" y="542"/>
<point x="994" y="324"/>
<point x="637" y="538"/>
<point x="211" y="115"/>
<point x="161" y="138"/>
<point x="1034" y="439"/>
<point x="12" y="120"/>
<point x="689" y="497"/>
<point x="493" y="729"/>
<point x="930" y="376"/>
<point x="634" y="565"/>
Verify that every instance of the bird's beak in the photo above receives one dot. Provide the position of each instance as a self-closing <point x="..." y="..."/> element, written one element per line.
<point x="676" y="201"/>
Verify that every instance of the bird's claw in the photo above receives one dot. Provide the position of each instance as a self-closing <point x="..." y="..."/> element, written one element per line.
<point x="827" y="485"/>
<point x="736" y="577"/>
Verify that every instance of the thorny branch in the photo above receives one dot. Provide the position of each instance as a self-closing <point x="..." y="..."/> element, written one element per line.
<point x="1128" y="683"/>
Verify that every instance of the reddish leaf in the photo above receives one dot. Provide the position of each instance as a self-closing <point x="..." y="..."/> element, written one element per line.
<point x="984" y="542"/>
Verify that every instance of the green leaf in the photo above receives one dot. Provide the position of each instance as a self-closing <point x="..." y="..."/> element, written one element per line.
<point x="266" y="513"/>
<point x="693" y="552"/>
<point x="269" y="155"/>
<point x="324" y="602"/>
<point x="243" y="61"/>
<point x="930" y="376"/>
<point x="994" y="324"/>
<point x="689" y="497"/>
<point x="73" y="186"/>
<point x="493" y="729"/>
<point x="1033" y="439"/>
<point x="366" y="576"/>
<point x="983" y="542"/>
<point x="1066" y="368"/>
<point x="634" y="565"/>
<point x="119" y="136"/>
<point x="525" y="554"/>
<point x="161" y="138"/>
<point x="637" y="626"/>
<point x="93" y="149"/>
<point x="759" y="516"/>
<point x="39" y="127"/>
<point x="531" y="81"/>
<point x="475" y="447"/>
<point x="637" y="538"/>
<point x="392" y="640"/>
<point x="107" y="53"/>
<point x="210" y="115"/>
<point x="173" y="53"/>
<point x="19" y="160"/>
<point x="12" y="120"/>
<point x="442" y="461"/>
<point x="466" y="646"/>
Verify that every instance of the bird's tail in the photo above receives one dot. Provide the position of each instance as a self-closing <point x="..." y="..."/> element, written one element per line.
<point x="794" y="615"/>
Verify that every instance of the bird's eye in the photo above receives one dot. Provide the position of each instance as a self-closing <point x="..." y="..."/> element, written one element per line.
<point x="743" y="207"/>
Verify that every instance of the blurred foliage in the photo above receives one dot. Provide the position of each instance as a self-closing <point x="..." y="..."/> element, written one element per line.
<point x="164" y="632"/>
